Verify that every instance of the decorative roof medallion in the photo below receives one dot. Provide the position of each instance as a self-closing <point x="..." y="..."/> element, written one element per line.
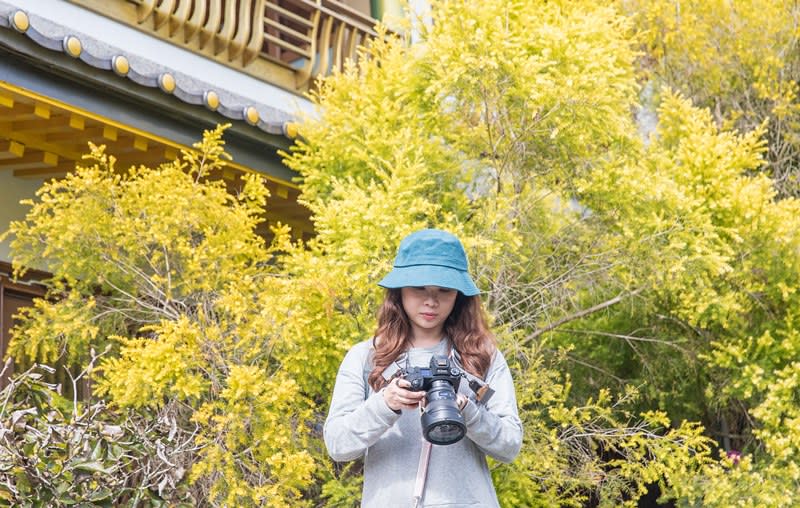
<point x="120" y="65"/>
<point x="72" y="46"/>
<point x="211" y="100"/>
<point x="290" y="130"/>
<point x="20" y="22"/>
<point x="251" y="115"/>
<point x="166" y="82"/>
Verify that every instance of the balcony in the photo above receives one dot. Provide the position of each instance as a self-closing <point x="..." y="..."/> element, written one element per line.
<point x="285" y="42"/>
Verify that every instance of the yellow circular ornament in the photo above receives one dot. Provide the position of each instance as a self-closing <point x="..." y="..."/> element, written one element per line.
<point x="251" y="115"/>
<point x="290" y="130"/>
<point x="72" y="46"/>
<point x="166" y="82"/>
<point x="20" y="21"/>
<point x="121" y="65"/>
<point x="211" y="99"/>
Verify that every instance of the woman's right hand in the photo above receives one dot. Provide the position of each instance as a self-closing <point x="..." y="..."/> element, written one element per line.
<point x="397" y="395"/>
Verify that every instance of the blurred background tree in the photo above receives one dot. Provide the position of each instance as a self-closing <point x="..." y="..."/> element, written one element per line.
<point x="738" y="59"/>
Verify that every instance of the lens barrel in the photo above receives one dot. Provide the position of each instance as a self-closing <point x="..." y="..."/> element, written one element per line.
<point x="442" y="422"/>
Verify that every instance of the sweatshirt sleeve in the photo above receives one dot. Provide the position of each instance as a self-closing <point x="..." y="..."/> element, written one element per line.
<point x="495" y="427"/>
<point x="354" y="422"/>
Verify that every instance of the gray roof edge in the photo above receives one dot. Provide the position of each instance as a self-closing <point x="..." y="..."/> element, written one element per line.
<point x="144" y="72"/>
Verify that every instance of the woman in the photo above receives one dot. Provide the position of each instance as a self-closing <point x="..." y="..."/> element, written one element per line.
<point x="431" y="308"/>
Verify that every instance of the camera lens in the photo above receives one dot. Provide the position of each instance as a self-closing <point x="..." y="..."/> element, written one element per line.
<point x="442" y="422"/>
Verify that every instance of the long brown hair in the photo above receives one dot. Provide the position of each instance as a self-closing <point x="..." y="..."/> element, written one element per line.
<point x="465" y="327"/>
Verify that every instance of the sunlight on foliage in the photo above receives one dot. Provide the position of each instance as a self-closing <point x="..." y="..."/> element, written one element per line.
<point x="163" y="267"/>
<point x="641" y="279"/>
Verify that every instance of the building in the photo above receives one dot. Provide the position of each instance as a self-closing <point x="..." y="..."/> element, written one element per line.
<point x="145" y="77"/>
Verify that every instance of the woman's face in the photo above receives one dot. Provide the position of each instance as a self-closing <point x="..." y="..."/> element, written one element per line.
<point x="428" y="307"/>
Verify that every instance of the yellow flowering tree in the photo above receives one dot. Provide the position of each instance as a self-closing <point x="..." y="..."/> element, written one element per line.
<point x="643" y="288"/>
<point x="739" y="59"/>
<point x="161" y="283"/>
<point x="655" y="271"/>
<point x="491" y="139"/>
<point x="716" y="336"/>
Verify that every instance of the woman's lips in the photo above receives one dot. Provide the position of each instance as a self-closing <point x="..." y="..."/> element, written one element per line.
<point x="429" y="317"/>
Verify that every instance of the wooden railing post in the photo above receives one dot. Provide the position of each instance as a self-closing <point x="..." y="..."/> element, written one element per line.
<point x="314" y="37"/>
<point x="256" y="41"/>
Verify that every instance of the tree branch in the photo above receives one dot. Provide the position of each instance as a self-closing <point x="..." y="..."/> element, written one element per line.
<point x="579" y="314"/>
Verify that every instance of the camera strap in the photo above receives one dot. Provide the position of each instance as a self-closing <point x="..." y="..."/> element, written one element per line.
<point x="395" y="367"/>
<point x="483" y="392"/>
<point x="422" y="472"/>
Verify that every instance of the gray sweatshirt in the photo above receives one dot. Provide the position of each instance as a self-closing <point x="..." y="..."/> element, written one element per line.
<point x="360" y="424"/>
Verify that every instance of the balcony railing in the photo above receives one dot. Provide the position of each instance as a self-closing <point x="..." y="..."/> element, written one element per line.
<point x="313" y="37"/>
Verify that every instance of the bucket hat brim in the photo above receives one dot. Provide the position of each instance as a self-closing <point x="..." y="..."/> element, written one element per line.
<point x="430" y="275"/>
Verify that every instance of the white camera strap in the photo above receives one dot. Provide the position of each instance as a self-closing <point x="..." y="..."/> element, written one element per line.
<point x="395" y="367"/>
<point x="422" y="472"/>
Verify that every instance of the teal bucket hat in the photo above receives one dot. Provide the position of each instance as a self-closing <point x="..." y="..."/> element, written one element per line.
<point x="431" y="257"/>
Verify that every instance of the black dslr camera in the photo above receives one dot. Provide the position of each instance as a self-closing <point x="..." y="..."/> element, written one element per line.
<point x="442" y="421"/>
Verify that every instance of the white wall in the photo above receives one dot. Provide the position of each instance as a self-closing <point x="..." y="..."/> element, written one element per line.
<point x="12" y="190"/>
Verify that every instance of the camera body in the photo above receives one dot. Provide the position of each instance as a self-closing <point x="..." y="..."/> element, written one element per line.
<point x="442" y="421"/>
<point x="441" y="369"/>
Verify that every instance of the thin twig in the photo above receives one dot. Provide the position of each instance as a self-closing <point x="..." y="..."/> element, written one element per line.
<point x="580" y="314"/>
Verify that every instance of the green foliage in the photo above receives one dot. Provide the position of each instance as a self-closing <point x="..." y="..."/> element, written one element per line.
<point x="600" y="447"/>
<point x="727" y="256"/>
<point x="342" y="485"/>
<point x="739" y="59"/>
<point x="55" y="454"/>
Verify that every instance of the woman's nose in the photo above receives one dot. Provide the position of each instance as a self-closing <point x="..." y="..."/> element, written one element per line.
<point x="431" y="297"/>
